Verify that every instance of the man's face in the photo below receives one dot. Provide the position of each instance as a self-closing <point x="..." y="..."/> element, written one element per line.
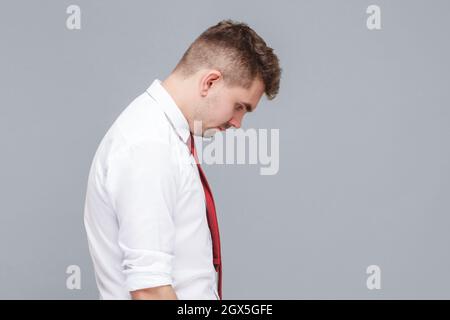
<point x="225" y="106"/>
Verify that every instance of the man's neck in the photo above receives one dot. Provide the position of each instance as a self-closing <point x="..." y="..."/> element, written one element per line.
<point x="175" y="87"/>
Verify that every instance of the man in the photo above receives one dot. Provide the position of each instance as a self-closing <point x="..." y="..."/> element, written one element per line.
<point x="149" y="213"/>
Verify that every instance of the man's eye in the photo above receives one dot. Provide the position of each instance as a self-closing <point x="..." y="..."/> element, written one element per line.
<point x="240" y="107"/>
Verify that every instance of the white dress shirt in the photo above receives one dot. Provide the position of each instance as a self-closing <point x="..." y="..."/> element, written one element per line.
<point x="145" y="213"/>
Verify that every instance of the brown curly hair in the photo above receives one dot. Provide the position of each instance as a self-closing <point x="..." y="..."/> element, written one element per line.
<point x="238" y="52"/>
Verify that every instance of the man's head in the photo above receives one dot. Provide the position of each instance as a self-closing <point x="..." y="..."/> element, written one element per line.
<point x="223" y="75"/>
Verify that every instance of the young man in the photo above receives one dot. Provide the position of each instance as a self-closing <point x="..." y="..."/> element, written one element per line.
<point x="149" y="213"/>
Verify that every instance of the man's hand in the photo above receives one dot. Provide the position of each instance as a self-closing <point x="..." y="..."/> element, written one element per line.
<point x="155" y="293"/>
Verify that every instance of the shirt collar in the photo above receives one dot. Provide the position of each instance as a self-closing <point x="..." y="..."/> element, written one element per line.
<point x="170" y="108"/>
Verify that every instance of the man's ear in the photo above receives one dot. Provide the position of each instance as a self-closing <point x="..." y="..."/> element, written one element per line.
<point x="209" y="79"/>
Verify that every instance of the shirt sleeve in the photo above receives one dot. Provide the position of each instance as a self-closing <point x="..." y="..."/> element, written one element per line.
<point x="142" y="183"/>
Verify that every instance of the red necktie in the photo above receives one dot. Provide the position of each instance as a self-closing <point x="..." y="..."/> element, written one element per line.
<point x="212" y="218"/>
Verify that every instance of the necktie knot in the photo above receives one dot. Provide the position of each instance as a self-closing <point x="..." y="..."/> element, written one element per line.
<point x="192" y="145"/>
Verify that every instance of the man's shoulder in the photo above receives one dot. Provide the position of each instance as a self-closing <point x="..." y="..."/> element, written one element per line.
<point x="141" y="124"/>
<point x="142" y="120"/>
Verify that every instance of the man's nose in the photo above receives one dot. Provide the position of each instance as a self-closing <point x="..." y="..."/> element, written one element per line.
<point x="236" y="122"/>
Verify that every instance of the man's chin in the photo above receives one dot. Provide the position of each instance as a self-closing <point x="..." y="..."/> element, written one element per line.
<point x="209" y="133"/>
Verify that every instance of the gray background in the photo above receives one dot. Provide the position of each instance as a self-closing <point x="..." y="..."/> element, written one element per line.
<point x="364" y="135"/>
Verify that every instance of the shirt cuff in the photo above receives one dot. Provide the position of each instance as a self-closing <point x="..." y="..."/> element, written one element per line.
<point x="143" y="280"/>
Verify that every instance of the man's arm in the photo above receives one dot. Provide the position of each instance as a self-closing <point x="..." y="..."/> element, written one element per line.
<point x="142" y="185"/>
<point x="156" y="293"/>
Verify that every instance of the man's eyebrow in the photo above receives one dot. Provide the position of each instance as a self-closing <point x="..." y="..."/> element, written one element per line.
<point x="248" y="106"/>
